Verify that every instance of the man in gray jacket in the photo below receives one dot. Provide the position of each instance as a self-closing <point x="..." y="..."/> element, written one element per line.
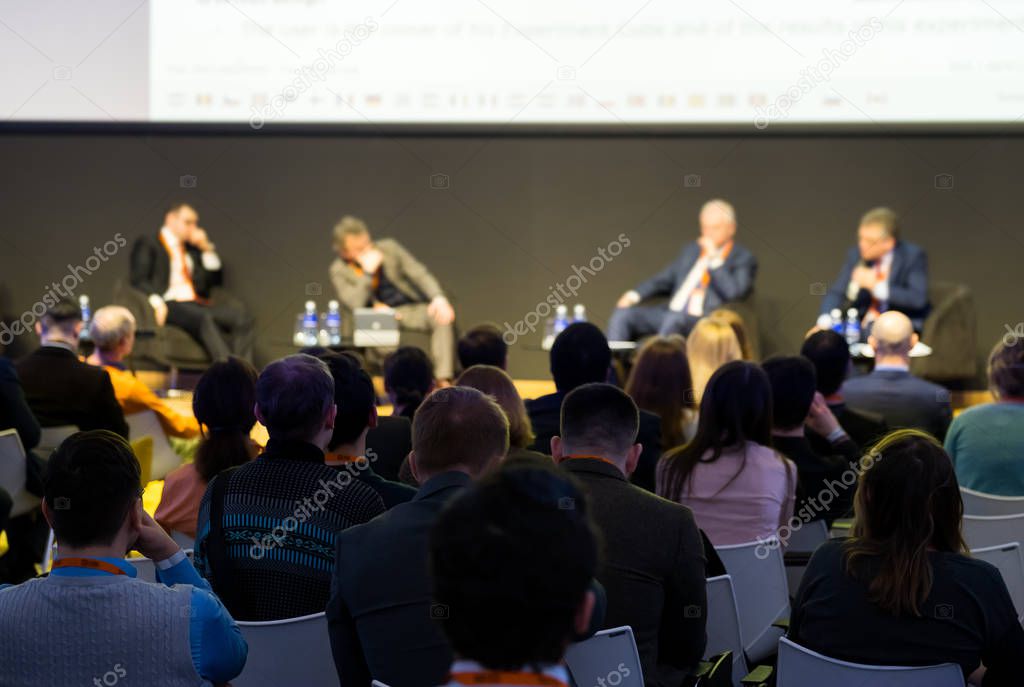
<point x="383" y="274"/>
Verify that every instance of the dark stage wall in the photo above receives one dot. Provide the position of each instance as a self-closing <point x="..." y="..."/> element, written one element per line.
<point x="516" y="215"/>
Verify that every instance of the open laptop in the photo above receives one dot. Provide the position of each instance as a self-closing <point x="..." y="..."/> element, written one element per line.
<point x="375" y="328"/>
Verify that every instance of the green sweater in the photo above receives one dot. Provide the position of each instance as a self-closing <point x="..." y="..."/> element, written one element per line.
<point x="986" y="444"/>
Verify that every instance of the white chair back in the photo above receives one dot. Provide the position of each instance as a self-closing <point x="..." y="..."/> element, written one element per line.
<point x="800" y="667"/>
<point x="52" y="437"/>
<point x="762" y="593"/>
<point x="145" y="567"/>
<point x="808" y="537"/>
<point x="147" y="423"/>
<point x="1010" y="561"/>
<point x="723" y="625"/>
<point x="13" y="473"/>
<point x="183" y="540"/>
<point x="294" y="651"/>
<point x="609" y="657"/>
<point x="983" y="531"/>
<point x="378" y="683"/>
<point x="978" y="503"/>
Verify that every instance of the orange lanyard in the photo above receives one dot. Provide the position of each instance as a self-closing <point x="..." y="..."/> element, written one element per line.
<point x="584" y="457"/>
<point x="91" y="563"/>
<point x="705" y="278"/>
<point x="503" y="677"/>
<point x="339" y="459"/>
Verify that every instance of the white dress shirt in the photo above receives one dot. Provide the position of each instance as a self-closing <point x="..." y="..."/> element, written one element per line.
<point x="881" y="290"/>
<point x="179" y="286"/>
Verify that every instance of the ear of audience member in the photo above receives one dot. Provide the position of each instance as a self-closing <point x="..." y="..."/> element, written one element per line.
<point x="512" y="566"/>
<point x="711" y="344"/>
<point x="496" y="383"/>
<point x="739" y="328"/>
<point x="483" y="345"/>
<point x="903" y="590"/>
<point x="599" y="421"/>
<point x="660" y="383"/>
<point x="408" y="379"/>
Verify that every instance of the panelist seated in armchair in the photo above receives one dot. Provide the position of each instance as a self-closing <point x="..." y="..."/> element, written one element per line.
<point x="177" y="268"/>
<point x="709" y="272"/>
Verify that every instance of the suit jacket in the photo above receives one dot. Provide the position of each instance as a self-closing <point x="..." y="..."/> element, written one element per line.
<point x="653" y="570"/>
<point x="821" y="472"/>
<point x="151" y="268"/>
<point x="62" y="390"/>
<point x="405" y="272"/>
<point x="732" y="281"/>
<point x="14" y="410"/>
<point x="380" y="616"/>
<point x="863" y="427"/>
<point x="390" y="441"/>
<point x="546" y="414"/>
<point x="908" y="284"/>
<point x="902" y="399"/>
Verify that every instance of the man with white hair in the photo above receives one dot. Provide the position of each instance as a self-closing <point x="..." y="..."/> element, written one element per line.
<point x="113" y="331"/>
<point x="890" y="390"/>
<point x="710" y="272"/>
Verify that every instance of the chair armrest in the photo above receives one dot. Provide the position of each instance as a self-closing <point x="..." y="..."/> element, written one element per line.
<point x="782" y="624"/>
<point x="713" y="672"/>
<point x="138" y="303"/>
<point x="796" y="559"/>
<point x="760" y="676"/>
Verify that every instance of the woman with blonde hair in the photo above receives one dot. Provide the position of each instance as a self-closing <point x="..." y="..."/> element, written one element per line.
<point x="711" y="344"/>
<point x="739" y="328"/>
<point x="495" y="382"/>
<point x="660" y="383"/>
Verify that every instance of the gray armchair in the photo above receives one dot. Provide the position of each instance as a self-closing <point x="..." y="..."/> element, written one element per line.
<point x="951" y="331"/>
<point x="160" y="348"/>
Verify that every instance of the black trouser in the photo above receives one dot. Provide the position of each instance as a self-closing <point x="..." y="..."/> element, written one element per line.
<point x="211" y="324"/>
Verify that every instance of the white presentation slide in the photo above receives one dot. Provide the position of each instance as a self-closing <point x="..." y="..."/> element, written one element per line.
<point x="514" y="62"/>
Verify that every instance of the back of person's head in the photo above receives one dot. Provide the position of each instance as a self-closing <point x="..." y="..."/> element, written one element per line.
<point x="892" y="334"/>
<point x="90" y="485"/>
<point x="483" y="345"/>
<point x="907" y="503"/>
<point x="1006" y="368"/>
<point x="503" y="605"/>
<point x="793" y="387"/>
<point x="408" y="378"/>
<point x="353" y="395"/>
<point x="295" y="397"/>
<point x="495" y="382"/>
<point x="660" y="383"/>
<point x="599" y="420"/>
<point x="579" y="355"/>
<point x="223" y="403"/>
<point x="711" y="344"/>
<point x="457" y="428"/>
<point x="63" y="318"/>
<point x="739" y="328"/>
<point x="736" y="408"/>
<point x="830" y="354"/>
<point x="111" y="325"/>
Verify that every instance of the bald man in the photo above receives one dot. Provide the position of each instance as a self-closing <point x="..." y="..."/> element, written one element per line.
<point x="890" y="390"/>
<point x="709" y="272"/>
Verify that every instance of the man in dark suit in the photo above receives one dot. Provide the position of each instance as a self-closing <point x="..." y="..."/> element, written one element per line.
<point x="62" y="390"/>
<point x="580" y="355"/>
<point x="830" y="355"/>
<point x="881" y="273"/>
<point x="709" y="273"/>
<point x="890" y="390"/>
<point x="654" y="566"/>
<point x="381" y="619"/>
<point x="178" y="269"/>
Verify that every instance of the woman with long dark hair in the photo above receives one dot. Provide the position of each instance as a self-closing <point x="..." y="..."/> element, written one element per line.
<point x="903" y="590"/>
<point x="660" y="383"/>
<point x="223" y="403"/>
<point x="739" y="489"/>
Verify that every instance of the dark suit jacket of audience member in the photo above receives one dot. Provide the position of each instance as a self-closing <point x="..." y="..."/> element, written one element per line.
<point x="821" y="472"/>
<point x="381" y="619"/>
<point x="391" y="493"/>
<point x="653" y="570"/>
<point x="390" y="441"/>
<point x="902" y="399"/>
<point x="14" y="410"/>
<point x="863" y="427"/>
<point x="546" y="415"/>
<point x="62" y="390"/>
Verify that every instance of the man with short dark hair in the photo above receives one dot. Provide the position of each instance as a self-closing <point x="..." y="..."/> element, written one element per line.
<point x="60" y="388"/>
<point x="380" y="618"/>
<point x="266" y="530"/>
<point x="580" y="355"/>
<point x="654" y="568"/>
<point x="91" y="617"/>
<point x="483" y="345"/>
<point x="511" y="566"/>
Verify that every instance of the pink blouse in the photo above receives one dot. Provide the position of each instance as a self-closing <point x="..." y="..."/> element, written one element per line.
<point x="179" y="504"/>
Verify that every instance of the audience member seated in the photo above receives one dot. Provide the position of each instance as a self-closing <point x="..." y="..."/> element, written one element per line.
<point x="903" y="590"/>
<point x="830" y="354"/>
<point x="739" y="489"/>
<point x="797" y="409"/>
<point x="580" y="355"/>
<point x="483" y="345"/>
<point x="496" y="383"/>
<point x="222" y="403"/>
<point x="91" y="617"/>
<point x="654" y="568"/>
<point x="508" y="612"/>
<point x="15" y="414"/>
<point x="112" y="330"/>
<point x="986" y="442"/>
<point x="60" y="388"/>
<point x="285" y="508"/>
<point x="660" y="383"/>
<point x="890" y="390"/>
<point x="739" y="328"/>
<point x="381" y="618"/>
<point x="357" y="414"/>
<point x="711" y="344"/>
<point x="408" y="379"/>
